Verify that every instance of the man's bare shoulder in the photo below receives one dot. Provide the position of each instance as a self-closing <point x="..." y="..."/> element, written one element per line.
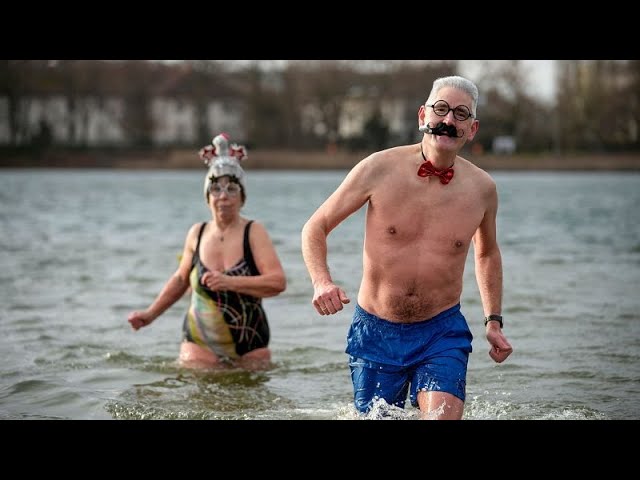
<point x="399" y="151"/>
<point x="391" y="155"/>
<point x="478" y="174"/>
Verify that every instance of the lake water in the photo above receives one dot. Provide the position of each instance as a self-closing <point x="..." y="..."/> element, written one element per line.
<point x="82" y="248"/>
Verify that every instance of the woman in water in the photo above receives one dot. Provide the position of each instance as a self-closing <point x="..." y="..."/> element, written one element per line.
<point x="230" y="264"/>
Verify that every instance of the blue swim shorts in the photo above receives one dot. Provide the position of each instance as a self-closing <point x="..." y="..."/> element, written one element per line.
<point x="385" y="358"/>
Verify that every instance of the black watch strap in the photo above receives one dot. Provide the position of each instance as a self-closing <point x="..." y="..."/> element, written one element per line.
<point x="497" y="318"/>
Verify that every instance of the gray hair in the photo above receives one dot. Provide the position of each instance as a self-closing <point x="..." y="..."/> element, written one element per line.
<point x="459" y="83"/>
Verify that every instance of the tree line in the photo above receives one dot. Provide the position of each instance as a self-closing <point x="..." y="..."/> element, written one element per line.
<point x="302" y="105"/>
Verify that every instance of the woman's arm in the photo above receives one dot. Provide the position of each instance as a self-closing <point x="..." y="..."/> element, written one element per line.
<point x="173" y="289"/>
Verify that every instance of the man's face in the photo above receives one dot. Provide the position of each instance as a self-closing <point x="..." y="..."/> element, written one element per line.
<point x="451" y="108"/>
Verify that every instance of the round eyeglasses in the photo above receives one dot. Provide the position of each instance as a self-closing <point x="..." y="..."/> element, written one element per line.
<point x="442" y="108"/>
<point x="231" y="189"/>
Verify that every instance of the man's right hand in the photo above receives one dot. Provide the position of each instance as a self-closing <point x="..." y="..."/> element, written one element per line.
<point x="329" y="298"/>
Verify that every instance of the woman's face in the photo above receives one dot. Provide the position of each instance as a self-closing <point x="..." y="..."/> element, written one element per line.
<point x="225" y="195"/>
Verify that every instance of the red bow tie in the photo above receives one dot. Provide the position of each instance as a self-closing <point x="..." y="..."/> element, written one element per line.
<point x="427" y="169"/>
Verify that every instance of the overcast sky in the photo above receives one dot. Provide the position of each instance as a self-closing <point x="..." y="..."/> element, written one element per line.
<point x="541" y="74"/>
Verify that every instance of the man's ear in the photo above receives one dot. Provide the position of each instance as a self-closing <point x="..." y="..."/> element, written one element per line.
<point x="421" y="116"/>
<point x="474" y="129"/>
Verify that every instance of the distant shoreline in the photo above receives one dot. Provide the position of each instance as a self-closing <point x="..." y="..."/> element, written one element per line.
<point x="285" y="159"/>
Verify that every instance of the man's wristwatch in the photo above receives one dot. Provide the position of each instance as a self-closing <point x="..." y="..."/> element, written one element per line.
<point x="497" y="318"/>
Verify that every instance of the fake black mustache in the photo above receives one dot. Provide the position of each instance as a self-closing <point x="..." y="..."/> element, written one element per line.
<point x="442" y="129"/>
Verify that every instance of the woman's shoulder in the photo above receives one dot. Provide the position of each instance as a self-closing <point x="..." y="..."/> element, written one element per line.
<point x="255" y="226"/>
<point x="250" y="223"/>
<point x="196" y="228"/>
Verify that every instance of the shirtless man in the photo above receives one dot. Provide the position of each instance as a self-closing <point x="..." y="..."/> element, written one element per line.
<point x="425" y="205"/>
